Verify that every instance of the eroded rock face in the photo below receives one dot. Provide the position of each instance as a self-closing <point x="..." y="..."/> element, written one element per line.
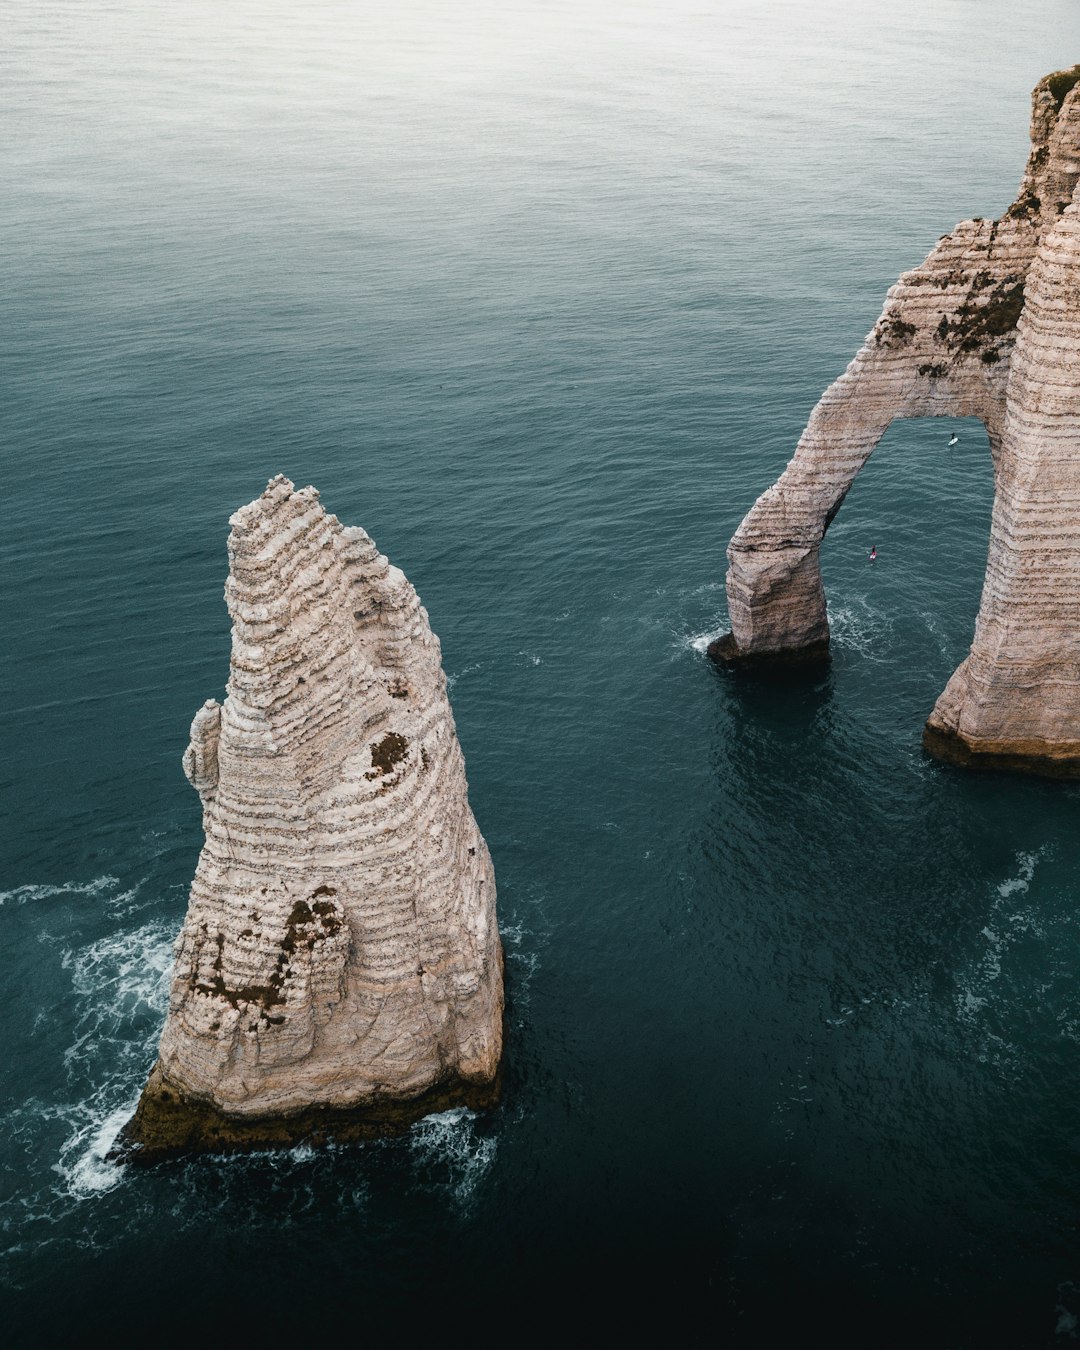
<point x="987" y="327"/>
<point x="339" y="970"/>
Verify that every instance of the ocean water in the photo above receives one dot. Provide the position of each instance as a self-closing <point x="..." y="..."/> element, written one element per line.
<point x="541" y="295"/>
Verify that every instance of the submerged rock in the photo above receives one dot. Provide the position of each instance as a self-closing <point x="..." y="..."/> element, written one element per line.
<point x="339" y="971"/>
<point x="987" y="327"/>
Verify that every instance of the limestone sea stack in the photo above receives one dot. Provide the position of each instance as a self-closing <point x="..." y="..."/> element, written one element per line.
<point x="339" y="971"/>
<point x="987" y="327"/>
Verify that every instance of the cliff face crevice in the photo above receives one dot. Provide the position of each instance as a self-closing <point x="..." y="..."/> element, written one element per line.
<point x="986" y="327"/>
<point x="340" y="967"/>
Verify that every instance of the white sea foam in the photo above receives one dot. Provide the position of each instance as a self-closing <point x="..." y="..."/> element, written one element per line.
<point x="451" y="680"/>
<point x="523" y="941"/>
<point x="512" y="933"/>
<point x="685" y="611"/>
<point x="21" y="895"/>
<point x="84" y="1164"/>
<point x="699" y="642"/>
<point x="1021" y="883"/>
<point x="449" y="1144"/>
<point x="947" y="646"/>
<point x="1008" y="920"/>
<point x="526" y="964"/>
<point x="523" y="958"/>
<point x="857" y="626"/>
<point x="118" y="979"/>
<point x="124" y="968"/>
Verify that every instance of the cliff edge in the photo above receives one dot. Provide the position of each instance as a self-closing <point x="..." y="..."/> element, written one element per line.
<point x="339" y="971"/>
<point x="987" y="327"/>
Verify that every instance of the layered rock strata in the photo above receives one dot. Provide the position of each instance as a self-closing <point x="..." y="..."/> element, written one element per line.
<point x="339" y="971"/>
<point x="987" y="327"/>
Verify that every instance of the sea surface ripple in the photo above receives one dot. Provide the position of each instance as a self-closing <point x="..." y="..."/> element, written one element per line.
<point x="541" y="295"/>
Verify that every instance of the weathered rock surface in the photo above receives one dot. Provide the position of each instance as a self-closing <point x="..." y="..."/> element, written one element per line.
<point x="987" y="327"/>
<point x="339" y="971"/>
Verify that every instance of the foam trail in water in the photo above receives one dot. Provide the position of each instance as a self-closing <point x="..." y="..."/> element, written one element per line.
<point x="451" y="680"/>
<point x="1008" y="921"/>
<point x="120" y="979"/>
<point x="525" y="961"/>
<point x="84" y="1163"/>
<point x="857" y="626"/>
<point x="449" y="1142"/>
<point x="700" y="641"/>
<point x="1021" y="883"/>
<point x="20" y="895"/>
<point x="118" y="973"/>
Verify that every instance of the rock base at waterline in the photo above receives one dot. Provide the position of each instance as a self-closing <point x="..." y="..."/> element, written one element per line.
<point x="726" y="653"/>
<point x="169" y="1124"/>
<point x="988" y="326"/>
<point x="339" y="971"/>
<point x="1038" y="758"/>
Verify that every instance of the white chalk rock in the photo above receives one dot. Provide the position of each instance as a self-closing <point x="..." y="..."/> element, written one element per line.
<point x="339" y="969"/>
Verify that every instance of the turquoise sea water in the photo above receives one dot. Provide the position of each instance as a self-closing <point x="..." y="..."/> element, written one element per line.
<point x="540" y="295"/>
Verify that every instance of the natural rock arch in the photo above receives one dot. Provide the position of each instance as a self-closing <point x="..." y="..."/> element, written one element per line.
<point x="987" y="327"/>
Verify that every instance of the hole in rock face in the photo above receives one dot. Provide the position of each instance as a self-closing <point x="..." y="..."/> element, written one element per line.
<point x="906" y="619"/>
<point x="391" y="750"/>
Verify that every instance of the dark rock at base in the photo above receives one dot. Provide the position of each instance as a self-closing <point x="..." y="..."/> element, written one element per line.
<point x="726" y="653"/>
<point x="1037" y="758"/>
<point x="169" y="1125"/>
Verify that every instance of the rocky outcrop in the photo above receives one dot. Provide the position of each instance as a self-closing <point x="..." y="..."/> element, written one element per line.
<point x="339" y="971"/>
<point x="987" y="327"/>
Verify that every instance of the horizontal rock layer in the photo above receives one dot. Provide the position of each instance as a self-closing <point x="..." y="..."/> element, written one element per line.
<point x="986" y="327"/>
<point x="339" y="969"/>
<point x="1015" y="700"/>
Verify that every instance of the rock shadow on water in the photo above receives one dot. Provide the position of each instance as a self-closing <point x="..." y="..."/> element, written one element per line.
<point x="781" y="700"/>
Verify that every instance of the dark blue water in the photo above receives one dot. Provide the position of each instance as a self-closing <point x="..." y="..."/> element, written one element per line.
<point x="540" y="295"/>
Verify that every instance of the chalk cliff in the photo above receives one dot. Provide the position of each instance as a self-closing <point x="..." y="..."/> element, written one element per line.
<point x="339" y="971"/>
<point x="988" y="326"/>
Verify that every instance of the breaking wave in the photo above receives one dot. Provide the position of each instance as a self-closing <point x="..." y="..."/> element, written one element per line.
<point x="84" y="1165"/>
<point x="699" y="642"/>
<point x="104" y="1030"/>
<point x="21" y="895"/>
<point x="121" y="982"/>
<point x="452" y="1153"/>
